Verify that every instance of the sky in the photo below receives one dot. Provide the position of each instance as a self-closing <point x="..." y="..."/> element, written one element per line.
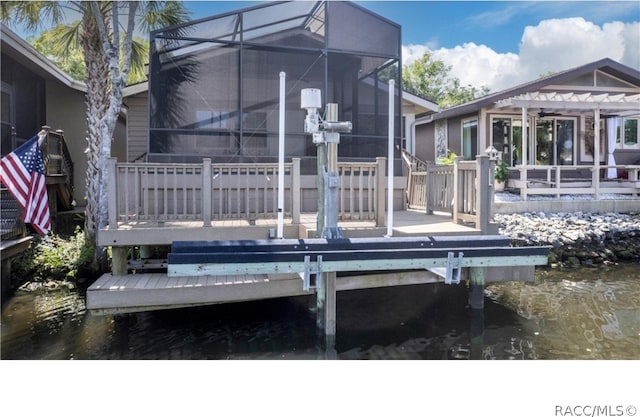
<point x="500" y="44"/>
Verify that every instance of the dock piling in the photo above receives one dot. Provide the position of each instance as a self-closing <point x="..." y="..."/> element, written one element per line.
<point x="326" y="309"/>
<point x="476" y="287"/>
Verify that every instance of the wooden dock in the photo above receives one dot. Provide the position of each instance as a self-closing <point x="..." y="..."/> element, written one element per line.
<point x="122" y="293"/>
<point x="114" y="294"/>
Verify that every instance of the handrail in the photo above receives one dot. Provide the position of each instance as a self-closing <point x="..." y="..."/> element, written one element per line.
<point x="160" y="192"/>
<point x="11" y="224"/>
<point x="57" y="160"/>
<point x="594" y="183"/>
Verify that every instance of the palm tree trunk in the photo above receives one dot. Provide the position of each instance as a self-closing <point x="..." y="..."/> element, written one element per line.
<point x="98" y="87"/>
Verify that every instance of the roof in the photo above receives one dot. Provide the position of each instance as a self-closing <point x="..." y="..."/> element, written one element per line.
<point x="16" y="47"/>
<point x="573" y="101"/>
<point x="607" y="65"/>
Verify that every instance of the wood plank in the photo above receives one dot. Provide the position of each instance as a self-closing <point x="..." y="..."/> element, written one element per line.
<point x="142" y="300"/>
<point x="143" y="280"/>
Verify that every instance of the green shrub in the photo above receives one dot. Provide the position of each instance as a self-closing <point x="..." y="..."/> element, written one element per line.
<point x="451" y="156"/>
<point x="502" y="171"/>
<point x="53" y="256"/>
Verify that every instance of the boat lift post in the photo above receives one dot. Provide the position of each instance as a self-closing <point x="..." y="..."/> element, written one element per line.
<point x="326" y="136"/>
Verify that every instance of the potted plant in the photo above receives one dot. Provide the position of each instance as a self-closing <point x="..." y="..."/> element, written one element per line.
<point x="501" y="175"/>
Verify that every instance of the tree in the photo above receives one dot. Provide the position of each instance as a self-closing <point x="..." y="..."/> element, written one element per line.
<point x="70" y="58"/>
<point x="109" y="52"/>
<point x="430" y="78"/>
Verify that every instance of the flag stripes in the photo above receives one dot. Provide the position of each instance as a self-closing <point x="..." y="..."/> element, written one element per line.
<point x="22" y="172"/>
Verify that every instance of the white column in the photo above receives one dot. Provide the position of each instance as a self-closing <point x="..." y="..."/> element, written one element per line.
<point x="596" y="153"/>
<point x="525" y="138"/>
<point x="281" y="128"/>
<point x="390" y="152"/>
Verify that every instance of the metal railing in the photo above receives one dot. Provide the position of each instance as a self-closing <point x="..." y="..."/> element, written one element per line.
<point x="11" y="224"/>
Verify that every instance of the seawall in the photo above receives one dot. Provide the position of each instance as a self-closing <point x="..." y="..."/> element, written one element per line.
<point x="576" y="238"/>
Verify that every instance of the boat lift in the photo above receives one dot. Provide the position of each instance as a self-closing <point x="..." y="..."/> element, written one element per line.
<point x="319" y="261"/>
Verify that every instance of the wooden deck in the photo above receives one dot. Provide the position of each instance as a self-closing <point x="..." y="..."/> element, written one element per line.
<point x="153" y="291"/>
<point x="405" y="223"/>
<point x="145" y="292"/>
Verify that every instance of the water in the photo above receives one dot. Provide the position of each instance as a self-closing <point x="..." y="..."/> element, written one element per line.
<point x="586" y="313"/>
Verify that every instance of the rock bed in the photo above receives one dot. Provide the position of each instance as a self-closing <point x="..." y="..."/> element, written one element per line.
<point x="576" y="238"/>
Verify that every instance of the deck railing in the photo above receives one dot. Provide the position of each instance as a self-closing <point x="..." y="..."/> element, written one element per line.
<point x="359" y="190"/>
<point x="11" y="224"/>
<point x="157" y="192"/>
<point x="557" y="180"/>
<point x="415" y="171"/>
<point x="463" y="189"/>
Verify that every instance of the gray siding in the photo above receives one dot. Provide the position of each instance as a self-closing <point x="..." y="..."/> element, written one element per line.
<point x="137" y="126"/>
<point x="66" y="110"/>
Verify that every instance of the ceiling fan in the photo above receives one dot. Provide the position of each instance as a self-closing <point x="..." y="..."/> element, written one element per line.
<point x="543" y="113"/>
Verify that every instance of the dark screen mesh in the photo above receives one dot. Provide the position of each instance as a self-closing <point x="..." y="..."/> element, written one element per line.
<point x="214" y="83"/>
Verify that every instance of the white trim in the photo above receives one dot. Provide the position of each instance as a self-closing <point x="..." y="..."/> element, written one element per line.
<point x="132" y="90"/>
<point x="572" y="101"/>
<point x="420" y="102"/>
<point x="462" y="122"/>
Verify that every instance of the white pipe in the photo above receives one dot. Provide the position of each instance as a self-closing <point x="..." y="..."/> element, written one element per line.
<point x="525" y="136"/>
<point x="390" y="152"/>
<point x="280" y="232"/>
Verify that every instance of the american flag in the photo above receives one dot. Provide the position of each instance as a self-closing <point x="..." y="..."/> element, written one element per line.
<point x="22" y="172"/>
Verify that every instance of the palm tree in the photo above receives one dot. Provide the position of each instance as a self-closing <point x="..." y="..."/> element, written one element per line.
<point x="109" y="52"/>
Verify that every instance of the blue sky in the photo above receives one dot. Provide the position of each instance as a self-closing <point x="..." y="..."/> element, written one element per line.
<point x="499" y="44"/>
<point x="498" y="24"/>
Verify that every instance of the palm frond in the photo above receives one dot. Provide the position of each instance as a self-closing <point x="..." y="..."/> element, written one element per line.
<point x="159" y="14"/>
<point x="139" y="57"/>
<point x="32" y="14"/>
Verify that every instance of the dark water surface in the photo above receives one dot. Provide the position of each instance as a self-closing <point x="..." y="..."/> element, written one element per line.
<point x="585" y="313"/>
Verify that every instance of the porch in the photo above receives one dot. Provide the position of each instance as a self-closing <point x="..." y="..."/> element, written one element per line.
<point x="557" y="180"/>
<point x="548" y="158"/>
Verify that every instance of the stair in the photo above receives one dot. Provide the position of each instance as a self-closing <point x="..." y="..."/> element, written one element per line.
<point x="11" y="225"/>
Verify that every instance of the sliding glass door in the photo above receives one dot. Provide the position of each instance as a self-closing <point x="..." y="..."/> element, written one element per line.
<point x="555" y="141"/>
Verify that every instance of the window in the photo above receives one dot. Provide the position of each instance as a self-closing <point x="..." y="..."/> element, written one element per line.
<point x="555" y="139"/>
<point x="627" y="137"/>
<point x="506" y="137"/>
<point x="469" y="139"/>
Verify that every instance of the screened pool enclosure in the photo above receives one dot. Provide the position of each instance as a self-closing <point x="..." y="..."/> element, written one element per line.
<point x="214" y="82"/>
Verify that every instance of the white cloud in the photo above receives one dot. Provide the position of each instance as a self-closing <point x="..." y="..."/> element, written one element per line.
<point x="552" y="45"/>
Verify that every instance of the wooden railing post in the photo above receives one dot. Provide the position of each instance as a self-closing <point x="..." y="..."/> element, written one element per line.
<point x="595" y="180"/>
<point x="483" y="190"/>
<point x="381" y="173"/>
<point x="112" y="193"/>
<point x="428" y="187"/>
<point x="206" y="192"/>
<point x="296" y="198"/>
<point x="523" y="181"/>
<point x="458" y="199"/>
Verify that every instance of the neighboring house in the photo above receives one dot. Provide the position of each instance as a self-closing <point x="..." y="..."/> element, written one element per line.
<point x="36" y="93"/>
<point x="561" y="111"/>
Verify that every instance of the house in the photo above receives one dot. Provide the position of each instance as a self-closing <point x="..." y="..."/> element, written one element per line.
<point x="565" y="113"/>
<point x="36" y="93"/>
